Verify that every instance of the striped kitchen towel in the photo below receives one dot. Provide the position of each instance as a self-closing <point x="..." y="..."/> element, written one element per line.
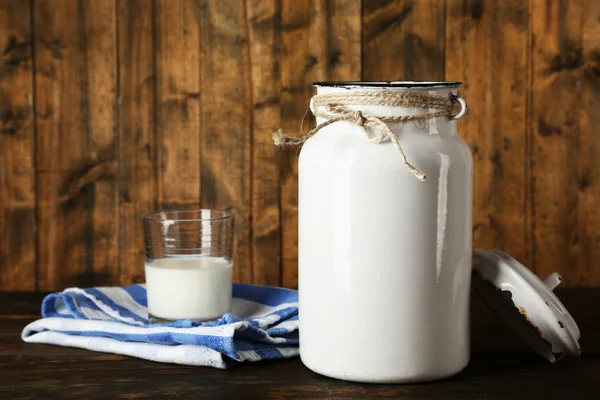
<point x="263" y="325"/>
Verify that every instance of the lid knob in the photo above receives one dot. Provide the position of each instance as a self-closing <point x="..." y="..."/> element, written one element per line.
<point x="553" y="280"/>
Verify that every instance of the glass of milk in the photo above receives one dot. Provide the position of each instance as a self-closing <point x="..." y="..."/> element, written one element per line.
<point x="189" y="263"/>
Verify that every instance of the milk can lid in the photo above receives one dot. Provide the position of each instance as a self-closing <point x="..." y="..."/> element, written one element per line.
<point x="526" y="304"/>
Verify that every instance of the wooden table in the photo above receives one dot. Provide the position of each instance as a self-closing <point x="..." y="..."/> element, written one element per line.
<point x="501" y="367"/>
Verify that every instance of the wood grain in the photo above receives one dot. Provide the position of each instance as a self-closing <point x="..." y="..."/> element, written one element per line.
<point x="226" y="129"/>
<point x="319" y="41"/>
<point x="557" y="155"/>
<point x="177" y="49"/>
<point x="403" y="40"/>
<point x="496" y="126"/>
<point x="296" y="78"/>
<point x="138" y="166"/>
<point x="501" y="367"/>
<point x="144" y="104"/>
<point x="589" y="168"/>
<point x="467" y="40"/>
<point x="17" y="144"/>
<point x="263" y="20"/>
<point x="335" y="35"/>
<point x="77" y="199"/>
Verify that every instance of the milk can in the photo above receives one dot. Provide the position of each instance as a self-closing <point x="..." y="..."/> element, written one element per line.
<point x="385" y="236"/>
<point x="385" y="257"/>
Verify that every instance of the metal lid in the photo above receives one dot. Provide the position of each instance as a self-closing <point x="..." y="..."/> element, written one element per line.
<point x="526" y="304"/>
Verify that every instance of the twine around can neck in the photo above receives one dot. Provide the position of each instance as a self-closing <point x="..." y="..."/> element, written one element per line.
<point x="334" y="108"/>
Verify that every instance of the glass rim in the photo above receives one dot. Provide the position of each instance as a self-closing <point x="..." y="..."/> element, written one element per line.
<point x="216" y="215"/>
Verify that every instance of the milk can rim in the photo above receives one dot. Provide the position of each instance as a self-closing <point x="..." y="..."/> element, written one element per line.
<point x="390" y="84"/>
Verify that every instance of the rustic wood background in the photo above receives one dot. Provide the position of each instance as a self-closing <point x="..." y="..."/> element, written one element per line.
<point x="110" y="108"/>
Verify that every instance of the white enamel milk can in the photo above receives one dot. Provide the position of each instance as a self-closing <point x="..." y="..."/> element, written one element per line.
<point x="385" y="235"/>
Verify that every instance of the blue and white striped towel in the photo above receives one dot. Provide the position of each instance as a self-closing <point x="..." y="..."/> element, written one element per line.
<point x="263" y="325"/>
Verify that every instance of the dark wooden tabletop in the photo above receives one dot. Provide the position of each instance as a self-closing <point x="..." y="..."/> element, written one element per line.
<point x="501" y="367"/>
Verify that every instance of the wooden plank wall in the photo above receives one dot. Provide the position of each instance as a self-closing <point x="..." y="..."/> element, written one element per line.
<point x="111" y="108"/>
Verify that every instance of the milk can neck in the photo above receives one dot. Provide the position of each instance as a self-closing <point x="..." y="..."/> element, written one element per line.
<point x="440" y="125"/>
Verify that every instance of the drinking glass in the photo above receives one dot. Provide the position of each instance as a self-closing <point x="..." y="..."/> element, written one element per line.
<point x="189" y="264"/>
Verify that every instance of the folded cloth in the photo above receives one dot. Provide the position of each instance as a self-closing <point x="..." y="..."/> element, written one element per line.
<point x="263" y="324"/>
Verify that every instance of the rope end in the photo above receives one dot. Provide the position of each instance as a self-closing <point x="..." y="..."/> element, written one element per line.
<point x="420" y="175"/>
<point x="278" y="137"/>
<point x="281" y="139"/>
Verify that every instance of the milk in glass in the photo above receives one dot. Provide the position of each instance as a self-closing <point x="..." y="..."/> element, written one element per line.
<point x="196" y="288"/>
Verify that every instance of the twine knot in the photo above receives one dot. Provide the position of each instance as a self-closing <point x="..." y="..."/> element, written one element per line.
<point x="333" y="108"/>
<point x="358" y="117"/>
